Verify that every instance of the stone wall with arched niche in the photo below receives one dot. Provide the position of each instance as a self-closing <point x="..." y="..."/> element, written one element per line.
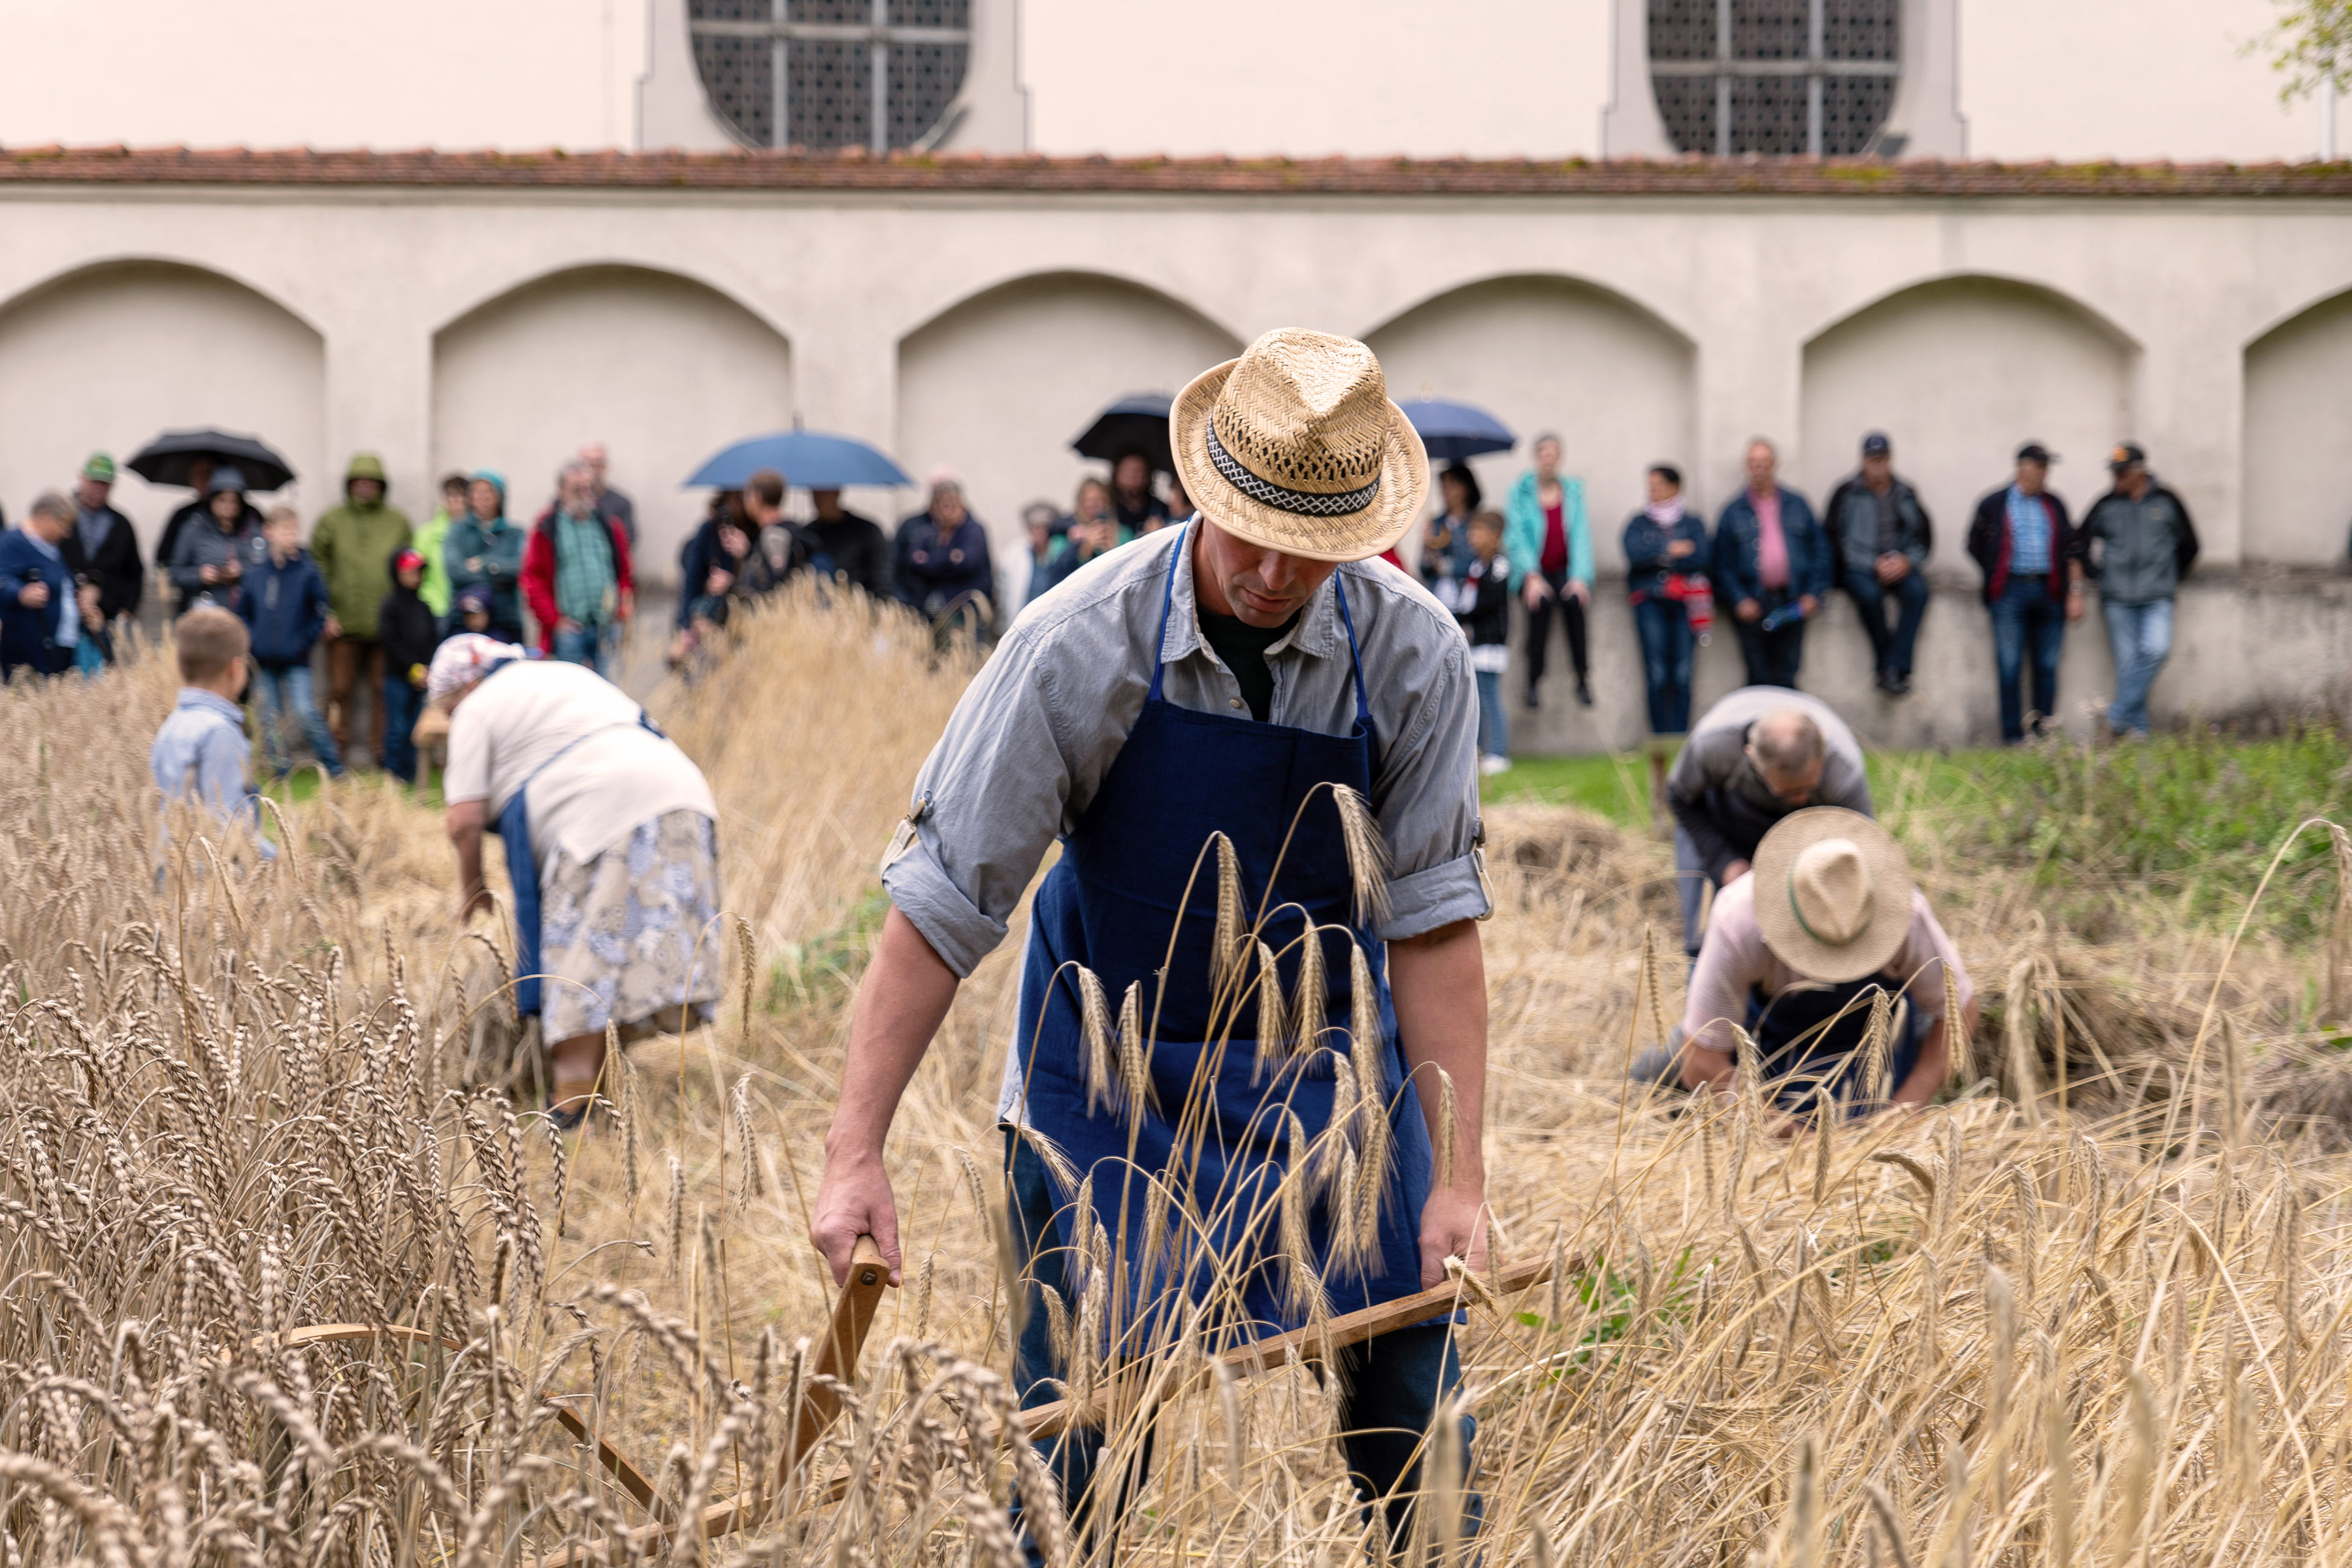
<point x="1958" y="373"/>
<point x="1531" y="351"/>
<point x="662" y="369"/>
<point x="2297" y="499"/>
<point x="997" y="386"/>
<point x="108" y="357"/>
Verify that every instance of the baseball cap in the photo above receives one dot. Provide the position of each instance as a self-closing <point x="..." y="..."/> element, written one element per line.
<point x="1877" y="445"/>
<point x="403" y="560"/>
<point x="2035" y="452"/>
<point x="99" y="467"/>
<point x="2126" y="455"/>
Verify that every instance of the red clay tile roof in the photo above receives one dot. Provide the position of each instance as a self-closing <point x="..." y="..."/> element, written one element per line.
<point x="1263" y="176"/>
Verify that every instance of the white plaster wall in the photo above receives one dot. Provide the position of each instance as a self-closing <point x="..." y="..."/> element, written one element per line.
<point x="322" y="73"/>
<point x="663" y="370"/>
<point x="109" y="358"/>
<point x="1524" y="349"/>
<point x="2298" y="441"/>
<point x="999" y="387"/>
<point x="2126" y="79"/>
<point x="1312" y="77"/>
<point x="1961" y="374"/>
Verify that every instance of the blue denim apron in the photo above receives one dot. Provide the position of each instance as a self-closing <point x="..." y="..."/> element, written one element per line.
<point x="1133" y="899"/>
<point x="1809" y="1036"/>
<point x="522" y="861"/>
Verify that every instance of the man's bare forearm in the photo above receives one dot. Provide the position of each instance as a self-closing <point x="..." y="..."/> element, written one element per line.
<point x="901" y="1003"/>
<point x="1440" y="985"/>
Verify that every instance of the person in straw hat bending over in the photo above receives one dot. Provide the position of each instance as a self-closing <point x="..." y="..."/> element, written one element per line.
<point x="1226" y="724"/>
<point x="1799" y="950"/>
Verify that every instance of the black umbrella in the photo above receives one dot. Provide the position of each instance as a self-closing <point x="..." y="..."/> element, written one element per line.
<point x="169" y="457"/>
<point x="1137" y="423"/>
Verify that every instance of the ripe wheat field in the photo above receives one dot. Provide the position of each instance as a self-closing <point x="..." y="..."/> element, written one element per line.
<point x="2092" y="1309"/>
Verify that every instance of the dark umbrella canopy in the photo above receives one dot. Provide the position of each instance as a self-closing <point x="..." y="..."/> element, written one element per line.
<point x="810" y="458"/>
<point x="169" y="459"/>
<point x="1137" y="423"/>
<point x="1452" y="431"/>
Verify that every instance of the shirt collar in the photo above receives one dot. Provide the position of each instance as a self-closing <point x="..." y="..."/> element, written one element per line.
<point x="197" y="697"/>
<point x="43" y="545"/>
<point x="1316" y="634"/>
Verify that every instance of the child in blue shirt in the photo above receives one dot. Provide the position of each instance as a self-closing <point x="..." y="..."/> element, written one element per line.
<point x="200" y="754"/>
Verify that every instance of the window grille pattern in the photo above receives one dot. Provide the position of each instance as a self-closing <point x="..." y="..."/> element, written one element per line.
<point x="877" y="74"/>
<point x="1774" y="77"/>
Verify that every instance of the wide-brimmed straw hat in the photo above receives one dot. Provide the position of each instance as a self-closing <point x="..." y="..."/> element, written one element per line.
<point x="1295" y="446"/>
<point x="1833" y="894"/>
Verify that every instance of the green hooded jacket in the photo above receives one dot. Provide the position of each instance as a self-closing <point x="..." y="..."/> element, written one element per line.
<point x="353" y="546"/>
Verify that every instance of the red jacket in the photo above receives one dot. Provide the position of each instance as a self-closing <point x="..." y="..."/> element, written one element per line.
<point x="539" y="572"/>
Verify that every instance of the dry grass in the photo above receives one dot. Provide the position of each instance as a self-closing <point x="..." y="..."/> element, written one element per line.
<point x="2091" y="1310"/>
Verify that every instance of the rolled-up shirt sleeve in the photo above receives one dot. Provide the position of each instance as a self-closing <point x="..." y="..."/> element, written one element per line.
<point x="987" y="804"/>
<point x="1426" y="797"/>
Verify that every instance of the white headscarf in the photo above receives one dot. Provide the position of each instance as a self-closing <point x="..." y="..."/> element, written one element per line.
<point x="463" y="661"/>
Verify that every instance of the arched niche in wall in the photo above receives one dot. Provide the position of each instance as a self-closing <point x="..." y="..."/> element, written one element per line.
<point x="107" y="356"/>
<point x="2298" y="437"/>
<point x="1552" y="354"/>
<point x="1959" y="372"/>
<point x="997" y="386"/>
<point x="661" y="369"/>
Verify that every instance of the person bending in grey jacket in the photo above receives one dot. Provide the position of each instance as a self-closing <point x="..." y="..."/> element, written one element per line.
<point x="1756" y="755"/>
<point x="2142" y="544"/>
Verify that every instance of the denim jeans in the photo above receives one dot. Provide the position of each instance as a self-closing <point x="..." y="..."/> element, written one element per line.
<point x="1392" y="1383"/>
<point x="2028" y="620"/>
<point x="1494" y="721"/>
<point x="1892" y="648"/>
<point x="274" y="691"/>
<point x="2141" y="639"/>
<point x="1663" y="625"/>
<point x="583" y="645"/>
<point x="402" y="705"/>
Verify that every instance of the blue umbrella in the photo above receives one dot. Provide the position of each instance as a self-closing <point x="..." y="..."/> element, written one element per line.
<point x="810" y="458"/>
<point x="1452" y="431"/>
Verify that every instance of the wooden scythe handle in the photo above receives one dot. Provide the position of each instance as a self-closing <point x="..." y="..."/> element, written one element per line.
<point x="853" y="1315"/>
<point x="1273" y="1352"/>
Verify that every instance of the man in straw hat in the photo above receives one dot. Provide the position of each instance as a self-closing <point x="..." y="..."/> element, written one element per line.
<point x="1253" y="673"/>
<point x="1799" y="950"/>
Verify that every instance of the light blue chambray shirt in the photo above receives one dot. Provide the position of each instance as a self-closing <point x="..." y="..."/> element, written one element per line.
<point x="200" y="754"/>
<point x="1039" y="727"/>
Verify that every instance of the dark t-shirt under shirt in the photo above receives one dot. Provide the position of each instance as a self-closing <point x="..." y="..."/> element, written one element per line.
<point x="1242" y="648"/>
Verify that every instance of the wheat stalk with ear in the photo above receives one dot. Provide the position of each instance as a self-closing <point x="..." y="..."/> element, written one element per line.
<point x="1272" y="1045"/>
<point x="1310" y="1006"/>
<point x="1102" y="1078"/>
<point x="1231" y="943"/>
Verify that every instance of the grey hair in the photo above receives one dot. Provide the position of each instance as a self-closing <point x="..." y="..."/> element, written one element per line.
<point x="575" y="466"/>
<point x="1550" y="436"/>
<point x="50" y="503"/>
<point x="1786" y="742"/>
<point x="1763" y="441"/>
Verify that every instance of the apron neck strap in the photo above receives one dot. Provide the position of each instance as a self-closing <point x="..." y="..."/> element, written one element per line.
<point x="1168" y="598"/>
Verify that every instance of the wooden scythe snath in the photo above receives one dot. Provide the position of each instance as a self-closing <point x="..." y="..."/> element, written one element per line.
<point x="853" y="1317"/>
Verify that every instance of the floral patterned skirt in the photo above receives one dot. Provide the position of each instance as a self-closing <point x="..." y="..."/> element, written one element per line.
<point x="633" y="935"/>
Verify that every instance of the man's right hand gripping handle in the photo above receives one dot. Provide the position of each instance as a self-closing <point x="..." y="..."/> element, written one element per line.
<point x="854" y="1200"/>
<point x="900" y="1003"/>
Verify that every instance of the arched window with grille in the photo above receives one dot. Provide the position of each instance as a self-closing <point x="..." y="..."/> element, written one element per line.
<point x="877" y="74"/>
<point x="1775" y="77"/>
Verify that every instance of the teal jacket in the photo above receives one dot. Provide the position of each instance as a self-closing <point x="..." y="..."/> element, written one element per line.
<point x="1523" y="530"/>
<point x="498" y="545"/>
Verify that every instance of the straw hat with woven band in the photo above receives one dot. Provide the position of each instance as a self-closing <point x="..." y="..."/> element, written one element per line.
<point x="1832" y="894"/>
<point x="1295" y="446"/>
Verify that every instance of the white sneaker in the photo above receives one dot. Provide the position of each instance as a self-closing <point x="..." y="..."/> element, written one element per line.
<point x="1491" y="764"/>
